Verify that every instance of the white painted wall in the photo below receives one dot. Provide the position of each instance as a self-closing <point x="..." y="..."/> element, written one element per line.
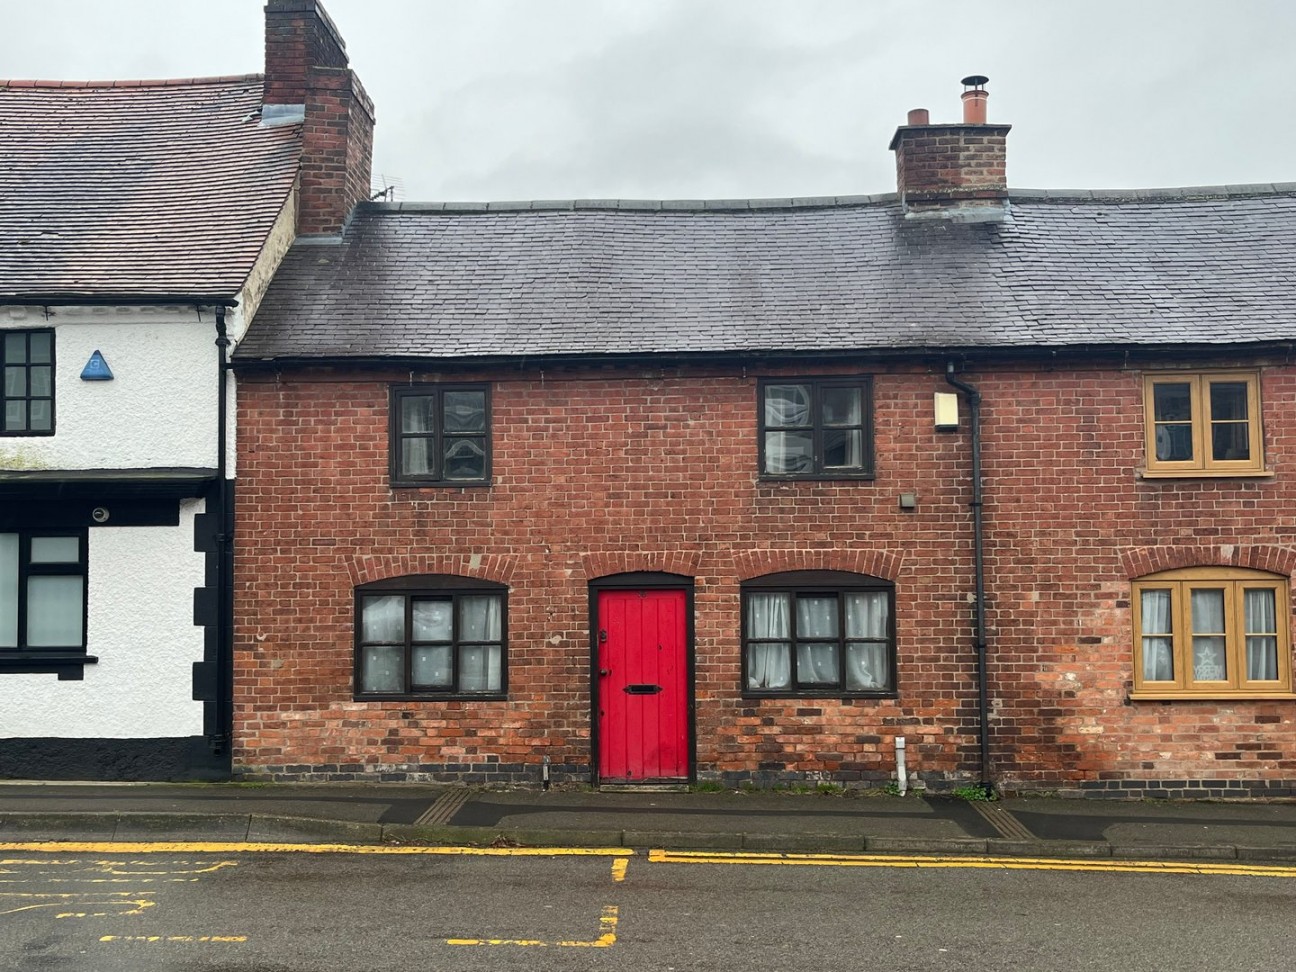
<point x="158" y="411"/>
<point x="160" y="408"/>
<point x="141" y="628"/>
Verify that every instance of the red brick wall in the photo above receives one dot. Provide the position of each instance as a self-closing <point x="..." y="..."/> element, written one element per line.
<point x="298" y="36"/>
<point x="337" y="144"/>
<point x="948" y="163"/>
<point x="598" y="472"/>
<point x="306" y="64"/>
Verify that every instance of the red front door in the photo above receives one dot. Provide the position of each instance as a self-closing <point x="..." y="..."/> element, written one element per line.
<point x="642" y="686"/>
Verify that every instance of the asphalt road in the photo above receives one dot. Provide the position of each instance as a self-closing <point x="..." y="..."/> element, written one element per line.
<point x="98" y="910"/>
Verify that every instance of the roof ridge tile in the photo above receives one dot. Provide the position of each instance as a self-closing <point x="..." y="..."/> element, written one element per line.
<point x="129" y="83"/>
<point x="632" y="205"/>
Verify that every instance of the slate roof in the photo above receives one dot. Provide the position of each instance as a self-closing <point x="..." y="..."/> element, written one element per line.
<point x="1199" y="266"/>
<point x="137" y="189"/>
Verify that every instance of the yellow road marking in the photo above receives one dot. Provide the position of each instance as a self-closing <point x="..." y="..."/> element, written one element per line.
<point x="997" y="863"/>
<point x="607" y="938"/>
<point x="88" y="902"/>
<point x="52" y="900"/>
<point x="107" y="867"/>
<point x="247" y="847"/>
<point x="619" y="868"/>
<point x="173" y="938"/>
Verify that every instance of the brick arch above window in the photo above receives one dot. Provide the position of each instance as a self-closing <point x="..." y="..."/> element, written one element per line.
<point x="1141" y="561"/>
<point x="876" y="563"/>
<point x="376" y="567"/>
<point x="605" y="564"/>
<point x="1211" y="631"/>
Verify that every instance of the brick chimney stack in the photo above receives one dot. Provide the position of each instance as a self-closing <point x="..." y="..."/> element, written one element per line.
<point x="953" y="171"/>
<point x="307" y="81"/>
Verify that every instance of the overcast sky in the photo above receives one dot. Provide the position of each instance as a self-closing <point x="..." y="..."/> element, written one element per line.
<point x="705" y="99"/>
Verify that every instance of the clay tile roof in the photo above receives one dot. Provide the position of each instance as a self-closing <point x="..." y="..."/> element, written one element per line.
<point x="1213" y="266"/>
<point x="137" y="189"/>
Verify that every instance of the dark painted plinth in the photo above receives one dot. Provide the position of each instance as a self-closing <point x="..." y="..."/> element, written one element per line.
<point x="184" y="758"/>
<point x="466" y="774"/>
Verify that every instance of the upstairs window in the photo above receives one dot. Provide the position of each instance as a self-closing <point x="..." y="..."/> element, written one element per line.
<point x="1211" y="632"/>
<point x="27" y="365"/>
<point x="1205" y="424"/>
<point x="42" y="593"/>
<point x="816" y="428"/>
<point x="440" y="435"/>
<point x="818" y="634"/>
<point x="435" y="636"/>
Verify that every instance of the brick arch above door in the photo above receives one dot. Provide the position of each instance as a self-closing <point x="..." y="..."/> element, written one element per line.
<point x="604" y="564"/>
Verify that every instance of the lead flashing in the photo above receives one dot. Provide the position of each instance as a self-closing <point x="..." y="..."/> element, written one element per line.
<point x="273" y="116"/>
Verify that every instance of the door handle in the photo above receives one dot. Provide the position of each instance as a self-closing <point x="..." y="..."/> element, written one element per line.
<point x="642" y="689"/>
<point x="605" y="671"/>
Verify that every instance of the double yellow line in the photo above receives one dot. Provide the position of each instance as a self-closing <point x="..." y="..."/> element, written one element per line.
<point x="622" y="854"/>
<point x="984" y="863"/>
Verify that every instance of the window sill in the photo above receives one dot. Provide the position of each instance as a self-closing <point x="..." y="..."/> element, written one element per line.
<point x="68" y="666"/>
<point x="766" y="478"/>
<point x="1209" y="696"/>
<point x="821" y="696"/>
<point x="442" y="697"/>
<point x="442" y="484"/>
<point x="1205" y="474"/>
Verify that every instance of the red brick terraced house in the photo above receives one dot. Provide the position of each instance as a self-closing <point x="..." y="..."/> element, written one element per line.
<point x="762" y="491"/>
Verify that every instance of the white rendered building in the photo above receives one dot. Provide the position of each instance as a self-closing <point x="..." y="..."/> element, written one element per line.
<point x="140" y="223"/>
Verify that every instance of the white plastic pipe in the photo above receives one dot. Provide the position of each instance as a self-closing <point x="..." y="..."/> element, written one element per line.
<point x="902" y="774"/>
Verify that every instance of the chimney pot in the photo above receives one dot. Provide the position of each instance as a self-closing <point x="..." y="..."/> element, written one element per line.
<point x="974" y="99"/>
<point x="919" y="116"/>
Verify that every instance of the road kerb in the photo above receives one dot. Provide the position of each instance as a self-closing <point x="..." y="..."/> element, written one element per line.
<point x="926" y="845"/>
<point x="1176" y="852"/>
<point x="1048" y="848"/>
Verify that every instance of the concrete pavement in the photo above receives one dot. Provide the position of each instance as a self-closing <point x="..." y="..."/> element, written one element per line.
<point x="764" y="821"/>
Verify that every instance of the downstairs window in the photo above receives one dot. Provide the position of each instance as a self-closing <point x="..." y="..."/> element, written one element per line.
<point x="818" y="634"/>
<point x="431" y="636"/>
<point x="1211" y="632"/>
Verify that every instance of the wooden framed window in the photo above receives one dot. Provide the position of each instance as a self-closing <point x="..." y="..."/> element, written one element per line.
<point x="440" y="435"/>
<point x="1203" y="424"/>
<point x="1211" y="632"/>
<point x="431" y="637"/>
<point x="42" y="595"/>
<point x="816" y="428"/>
<point x="818" y="634"/>
<point x="27" y="369"/>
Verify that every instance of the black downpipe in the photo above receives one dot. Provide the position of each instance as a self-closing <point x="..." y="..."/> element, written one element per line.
<point x="221" y="741"/>
<point x="978" y="556"/>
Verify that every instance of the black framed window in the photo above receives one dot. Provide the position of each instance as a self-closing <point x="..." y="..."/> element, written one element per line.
<point x="431" y="637"/>
<point x="818" y="634"/>
<point x="42" y="593"/>
<point x="27" y="367"/>
<point x="816" y="428"/>
<point x="440" y="435"/>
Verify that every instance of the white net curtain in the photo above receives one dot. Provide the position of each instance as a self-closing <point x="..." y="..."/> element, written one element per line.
<point x="433" y="644"/>
<point x="857" y="658"/>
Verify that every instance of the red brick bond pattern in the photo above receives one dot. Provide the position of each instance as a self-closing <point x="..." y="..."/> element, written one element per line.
<point x="599" y="472"/>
